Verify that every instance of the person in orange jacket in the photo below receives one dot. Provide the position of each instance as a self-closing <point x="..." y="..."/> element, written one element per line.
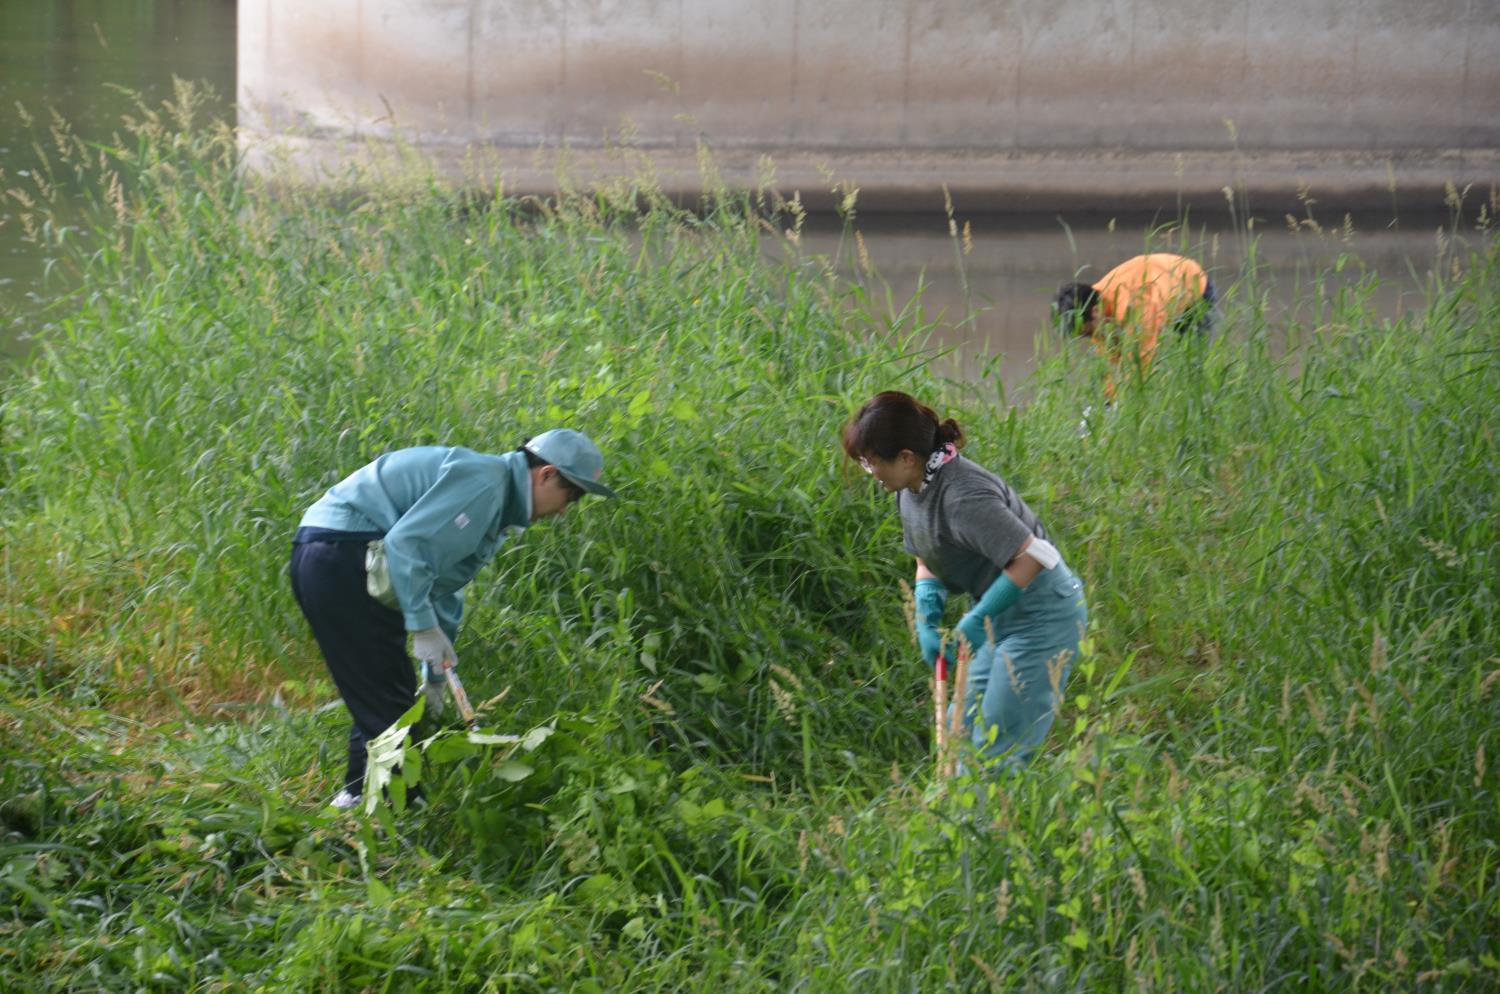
<point x="1124" y="313"/>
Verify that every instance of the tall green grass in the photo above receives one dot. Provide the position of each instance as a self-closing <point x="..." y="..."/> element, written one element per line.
<point x="1271" y="771"/>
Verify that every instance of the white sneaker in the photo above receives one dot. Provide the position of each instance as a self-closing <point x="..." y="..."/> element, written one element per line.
<point x="344" y="801"/>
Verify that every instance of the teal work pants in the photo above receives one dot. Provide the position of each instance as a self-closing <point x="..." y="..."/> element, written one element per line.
<point x="1015" y="685"/>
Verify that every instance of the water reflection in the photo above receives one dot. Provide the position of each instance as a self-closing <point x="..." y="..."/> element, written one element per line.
<point x="990" y="291"/>
<point x="80" y="59"/>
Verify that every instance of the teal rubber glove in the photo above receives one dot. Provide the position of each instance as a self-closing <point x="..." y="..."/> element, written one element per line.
<point x="931" y="597"/>
<point x="1001" y="595"/>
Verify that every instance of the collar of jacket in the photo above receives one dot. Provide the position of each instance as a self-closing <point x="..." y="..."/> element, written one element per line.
<point x="516" y="507"/>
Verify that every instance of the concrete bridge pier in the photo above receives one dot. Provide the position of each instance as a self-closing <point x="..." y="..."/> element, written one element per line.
<point x="1026" y="104"/>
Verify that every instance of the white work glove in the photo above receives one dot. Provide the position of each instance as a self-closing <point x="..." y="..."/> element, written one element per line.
<point x="432" y="689"/>
<point x="432" y="647"/>
<point x="435" y="652"/>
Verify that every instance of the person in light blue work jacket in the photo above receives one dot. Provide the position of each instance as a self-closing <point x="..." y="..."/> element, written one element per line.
<point x="438" y="515"/>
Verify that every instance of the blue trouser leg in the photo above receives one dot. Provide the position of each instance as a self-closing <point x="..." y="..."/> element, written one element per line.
<point x="1015" y="687"/>
<point x="1019" y="702"/>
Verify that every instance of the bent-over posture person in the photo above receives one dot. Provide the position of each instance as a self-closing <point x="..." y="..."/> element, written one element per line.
<point x="1124" y="313"/>
<point x="439" y="514"/>
<point x="972" y="533"/>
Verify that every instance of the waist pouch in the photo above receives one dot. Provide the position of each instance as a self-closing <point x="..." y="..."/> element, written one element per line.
<point x="378" y="576"/>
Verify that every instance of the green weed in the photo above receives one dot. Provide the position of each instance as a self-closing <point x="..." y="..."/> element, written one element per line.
<point x="1273" y="769"/>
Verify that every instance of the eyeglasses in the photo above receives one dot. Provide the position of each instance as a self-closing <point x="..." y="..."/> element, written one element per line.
<point x="864" y="464"/>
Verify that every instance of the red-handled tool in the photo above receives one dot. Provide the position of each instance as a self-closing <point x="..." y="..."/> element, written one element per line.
<point x="940" y="712"/>
<point x="960" y="693"/>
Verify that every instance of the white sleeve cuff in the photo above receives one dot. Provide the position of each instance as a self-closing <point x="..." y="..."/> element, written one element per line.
<point x="1044" y="552"/>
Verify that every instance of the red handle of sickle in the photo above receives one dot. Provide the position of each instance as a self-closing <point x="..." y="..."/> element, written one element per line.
<point x="942" y="669"/>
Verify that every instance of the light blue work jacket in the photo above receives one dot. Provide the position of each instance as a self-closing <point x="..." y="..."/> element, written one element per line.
<point x="443" y="512"/>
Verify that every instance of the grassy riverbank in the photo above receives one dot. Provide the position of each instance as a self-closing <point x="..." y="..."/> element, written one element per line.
<point x="1273" y="769"/>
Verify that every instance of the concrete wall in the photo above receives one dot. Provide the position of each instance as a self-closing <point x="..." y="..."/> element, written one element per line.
<point x="1018" y="103"/>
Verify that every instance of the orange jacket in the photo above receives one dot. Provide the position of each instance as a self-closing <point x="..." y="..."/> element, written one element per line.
<point x="1143" y="294"/>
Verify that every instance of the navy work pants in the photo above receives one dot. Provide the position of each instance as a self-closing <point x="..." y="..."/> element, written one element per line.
<point x="363" y="642"/>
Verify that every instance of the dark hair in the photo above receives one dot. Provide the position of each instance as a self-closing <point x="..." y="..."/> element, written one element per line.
<point x="892" y="421"/>
<point x="1074" y="305"/>
<point x="533" y="461"/>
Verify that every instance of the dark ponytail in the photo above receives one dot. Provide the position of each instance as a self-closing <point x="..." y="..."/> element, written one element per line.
<point x="892" y="421"/>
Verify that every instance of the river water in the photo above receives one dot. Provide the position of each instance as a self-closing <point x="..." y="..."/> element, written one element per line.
<point x="986" y="281"/>
<point x="84" y="59"/>
<point x="989" y="295"/>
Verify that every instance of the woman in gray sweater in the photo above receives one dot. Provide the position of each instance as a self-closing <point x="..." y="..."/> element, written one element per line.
<point x="971" y="532"/>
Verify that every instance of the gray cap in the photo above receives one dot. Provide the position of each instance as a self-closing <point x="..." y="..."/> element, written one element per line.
<point x="575" y="456"/>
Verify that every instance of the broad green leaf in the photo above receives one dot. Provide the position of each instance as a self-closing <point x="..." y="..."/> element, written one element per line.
<point x="411" y="767"/>
<point x="524" y="938"/>
<point x="386" y="753"/>
<point x="690" y="813"/>
<point x="597" y="887"/>
<point x="449" y="749"/>
<point x="536" y="737"/>
<point x="490" y="738"/>
<point x="513" y="770"/>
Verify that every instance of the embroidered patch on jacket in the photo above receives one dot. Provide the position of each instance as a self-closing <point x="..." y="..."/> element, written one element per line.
<point x="462" y="520"/>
